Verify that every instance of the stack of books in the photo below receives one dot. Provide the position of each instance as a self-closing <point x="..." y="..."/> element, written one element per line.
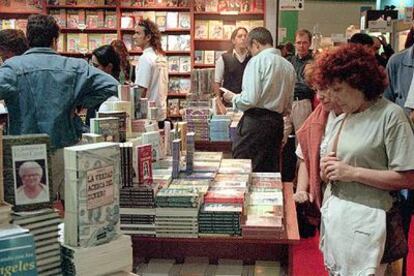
<point x="197" y="122"/>
<point x="138" y="210"/>
<point x="264" y="214"/>
<point x="43" y="225"/>
<point x="208" y="156"/>
<point x="93" y="244"/>
<point x="220" y="219"/>
<point x="17" y="252"/>
<point x="177" y="212"/>
<point x="220" y="128"/>
<point x="109" y="258"/>
<point x="236" y="166"/>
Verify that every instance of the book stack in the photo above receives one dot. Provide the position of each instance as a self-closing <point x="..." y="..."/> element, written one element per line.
<point x="197" y="121"/>
<point x="220" y="219"/>
<point x="43" y="225"/>
<point x="236" y="166"/>
<point x="17" y="252"/>
<point x="162" y="177"/>
<point x="93" y="244"/>
<point x="142" y="196"/>
<point x="91" y="138"/>
<point x="138" y="221"/>
<point x="190" y="152"/>
<point x="176" y="157"/>
<point x="220" y="128"/>
<point x="5" y="214"/>
<point x="208" y="156"/>
<point x="177" y="212"/>
<point x="107" y="127"/>
<point x="122" y="122"/>
<point x="105" y="259"/>
<point x="264" y="214"/>
<point x="127" y="172"/>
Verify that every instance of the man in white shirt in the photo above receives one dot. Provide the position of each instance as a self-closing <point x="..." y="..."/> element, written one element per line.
<point x="267" y="94"/>
<point x="152" y="70"/>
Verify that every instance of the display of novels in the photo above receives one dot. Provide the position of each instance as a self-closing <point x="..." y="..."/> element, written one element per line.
<point x="144" y="157"/>
<point x="179" y="85"/>
<point x="236" y="166"/>
<point x="218" y="29"/>
<point x="155" y="4"/>
<point x="105" y="259"/>
<point x="17" y="252"/>
<point x="27" y="172"/>
<point x="228" y="6"/>
<point x="44" y="226"/>
<point x="122" y="122"/>
<point x="95" y="19"/>
<point x="92" y="182"/>
<point x="178" y="42"/>
<point x="108" y="127"/>
<point x="220" y="219"/>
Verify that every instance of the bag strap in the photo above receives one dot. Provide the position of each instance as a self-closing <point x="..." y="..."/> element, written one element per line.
<point x="336" y="140"/>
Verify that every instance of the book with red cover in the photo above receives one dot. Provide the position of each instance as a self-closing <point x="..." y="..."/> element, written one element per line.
<point x="144" y="153"/>
<point x="224" y="196"/>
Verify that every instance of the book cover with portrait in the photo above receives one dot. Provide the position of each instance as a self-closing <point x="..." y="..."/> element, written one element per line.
<point x="27" y="172"/>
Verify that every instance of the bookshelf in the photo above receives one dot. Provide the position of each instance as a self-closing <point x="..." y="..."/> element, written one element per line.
<point x="108" y="20"/>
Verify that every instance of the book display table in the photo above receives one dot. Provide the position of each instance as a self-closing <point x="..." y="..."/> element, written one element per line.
<point x="248" y="250"/>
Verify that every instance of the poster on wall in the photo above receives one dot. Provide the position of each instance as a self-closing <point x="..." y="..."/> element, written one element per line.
<point x="291" y="5"/>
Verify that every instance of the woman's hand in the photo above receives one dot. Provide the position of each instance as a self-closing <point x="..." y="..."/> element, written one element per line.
<point x="302" y="197"/>
<point x="336" y="170"/>
<point x="323" y="163"/>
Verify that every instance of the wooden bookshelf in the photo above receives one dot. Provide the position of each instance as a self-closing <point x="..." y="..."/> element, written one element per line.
<point x="79" y="7"/>
<point x="88" y="30"/>
<point x="154" y="8"/>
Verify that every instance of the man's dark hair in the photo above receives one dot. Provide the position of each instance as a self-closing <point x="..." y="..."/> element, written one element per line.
<point x="261" y="35"/>
<point x="106" y="54"/>
<point x="363" y="39"/>
<point x="150" y="28"/>
<point x="41" y="30"/>
<point x="14" y="41"/>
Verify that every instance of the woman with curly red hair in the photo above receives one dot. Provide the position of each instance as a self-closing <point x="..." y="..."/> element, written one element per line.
<point x="369" y="155"/>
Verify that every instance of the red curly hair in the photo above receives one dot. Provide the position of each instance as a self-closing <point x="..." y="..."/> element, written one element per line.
<point x="353" y="64"/>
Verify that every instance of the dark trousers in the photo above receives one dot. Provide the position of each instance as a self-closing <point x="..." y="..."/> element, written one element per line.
<point x="260" y="134"/>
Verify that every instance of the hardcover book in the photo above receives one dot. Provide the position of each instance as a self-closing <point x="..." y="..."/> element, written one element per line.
<point x="209" y="57"/>
<point x="201" y="29"/>
<point x="107" y="127"/>
<point x="173" y="64"/>
<point x="173" y="43"/>
<point x="144" y="154"/>
<point x="215" y="28"/>
<point x="122" y="122"/>
<point x="185" y="64"/>
<point x="184" y="42"/>
<point x="92" y="183"/>
<point x="27" y="176"/>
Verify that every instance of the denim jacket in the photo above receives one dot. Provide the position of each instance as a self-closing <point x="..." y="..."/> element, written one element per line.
<point x="41" y="90"/>
<point x="400" y="73"/>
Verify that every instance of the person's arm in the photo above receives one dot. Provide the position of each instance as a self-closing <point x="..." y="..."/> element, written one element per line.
<point x="383" y="179"/>
<point x="389" y="91"/>
<point x="218" y="76"/>
<point x="302" y="189"/>
<point x="8" y="82"/>
<point x="99" y="87"/>
<point x="251" y="87"/>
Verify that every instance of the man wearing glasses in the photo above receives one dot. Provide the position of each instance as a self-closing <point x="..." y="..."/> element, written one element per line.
<point x="303" y="95"/>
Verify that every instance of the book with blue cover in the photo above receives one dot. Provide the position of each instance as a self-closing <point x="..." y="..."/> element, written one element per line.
<point x="92" y="183"/>
<point x="17" y="252"/>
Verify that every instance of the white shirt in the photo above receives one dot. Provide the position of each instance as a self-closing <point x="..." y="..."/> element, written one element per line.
<point x="22" y="199"/>
<point x="219" y="70"/>
<point x="152" y="73"/>
<point x="268" y="82"/>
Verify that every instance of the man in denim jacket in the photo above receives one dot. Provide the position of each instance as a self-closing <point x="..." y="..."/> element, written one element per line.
<point x="41" y="90"/>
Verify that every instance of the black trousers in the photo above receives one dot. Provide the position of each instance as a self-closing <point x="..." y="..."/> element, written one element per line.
<point x="260" y="134"/>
